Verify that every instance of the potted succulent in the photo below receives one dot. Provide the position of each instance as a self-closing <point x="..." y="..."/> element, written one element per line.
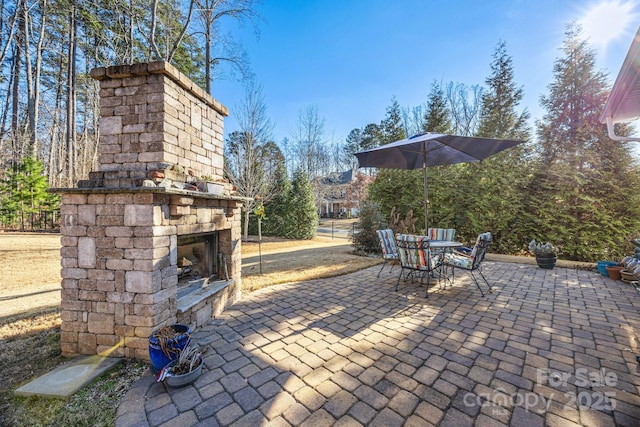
<point x="185" y="369"/>
<point x="546" y="254"/>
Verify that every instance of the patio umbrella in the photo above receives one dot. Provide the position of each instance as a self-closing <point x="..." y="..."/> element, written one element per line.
<point x="432" y="149"/>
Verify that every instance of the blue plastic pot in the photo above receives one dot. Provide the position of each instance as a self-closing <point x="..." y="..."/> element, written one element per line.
<point x="160" y="359"/>
<point x="602" y="267"/>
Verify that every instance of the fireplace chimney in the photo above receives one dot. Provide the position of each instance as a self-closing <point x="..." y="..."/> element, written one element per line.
<point x="159" y="183"/>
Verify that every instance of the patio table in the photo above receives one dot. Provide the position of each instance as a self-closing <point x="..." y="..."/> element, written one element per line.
<point x="445" y="246"/>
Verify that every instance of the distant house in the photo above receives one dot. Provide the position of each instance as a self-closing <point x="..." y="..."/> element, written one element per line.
<point x="336" y="200"/>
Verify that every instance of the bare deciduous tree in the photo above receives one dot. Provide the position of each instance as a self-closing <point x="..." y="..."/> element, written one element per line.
<point x="309" y="143"/>
<point x="246" y="152"/>
<point x="219" y="47"/>
<point x="464" y="105"/>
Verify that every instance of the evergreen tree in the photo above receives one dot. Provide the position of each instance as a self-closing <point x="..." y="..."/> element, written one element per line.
<point x="436" y="118"/>
<point x="371" y="136"/>
<point x="303" y="218"/>
<point x="278" y="209"/>
<point x="498" y="115"/>
<point x="401" y="191"/>
<point x="394" y="188"/>
<point x="391" y="129"/>
<point x="25" y="188"/>
<point x="353" y="144"/>
<point x="493" y="191"/>
<point x="580" y="196"/>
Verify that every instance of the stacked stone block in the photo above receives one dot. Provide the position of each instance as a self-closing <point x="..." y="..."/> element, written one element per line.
<point x="119" y="257"/>
<point x="152" y="117"/>
<point x="119" y="238"/>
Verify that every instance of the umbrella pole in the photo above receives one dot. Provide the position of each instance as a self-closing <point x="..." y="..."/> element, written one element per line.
<point x="426" y="194"/>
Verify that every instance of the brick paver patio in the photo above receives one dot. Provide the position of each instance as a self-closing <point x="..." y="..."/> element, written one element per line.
<point x="548" y="347"/>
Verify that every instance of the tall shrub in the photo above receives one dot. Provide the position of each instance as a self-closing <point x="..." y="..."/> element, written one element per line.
<point x="303" y="218"/>
<point x="365" y="238"/>
<point x="580" y="196"/>
<point x="278" y="209"/>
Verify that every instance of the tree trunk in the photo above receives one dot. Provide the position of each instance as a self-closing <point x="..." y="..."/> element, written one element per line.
<point x="246" y="225"/>
<point x="130" y="47"/>
<point x="71" y="139"/>
<point x="56" y="158"/>
<point x="207" y="61"/>
<point x="15" y="102"/>
<point x="36" y="80"/>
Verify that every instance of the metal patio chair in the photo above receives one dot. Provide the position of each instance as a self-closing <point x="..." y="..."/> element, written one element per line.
<point x="471" y="262"/>
<point x="389" y="248"/>
<point x="416" y="259"/>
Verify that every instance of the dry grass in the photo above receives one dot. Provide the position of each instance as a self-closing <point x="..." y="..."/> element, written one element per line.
<point x="30" y="319"/>
<point x="285" y="261"/>
<point x="28" y="259"/>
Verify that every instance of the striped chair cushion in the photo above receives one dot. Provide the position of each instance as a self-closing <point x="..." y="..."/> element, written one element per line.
<point x="388" y="244"/>
<point x="459" y="260"/>
<point x="418" y="259"/>
<point x="466" y="261"/>
<point x="448" y="234"/>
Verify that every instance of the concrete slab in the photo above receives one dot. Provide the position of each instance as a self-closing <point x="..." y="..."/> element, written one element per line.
<point x="65" y="380"/>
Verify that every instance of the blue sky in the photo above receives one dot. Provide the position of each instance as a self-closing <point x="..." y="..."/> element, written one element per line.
<point x="349" y="58"/>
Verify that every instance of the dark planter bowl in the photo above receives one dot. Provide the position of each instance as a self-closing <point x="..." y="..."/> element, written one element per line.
<point x="546" y="261"/>
<point x="183" y="379"/>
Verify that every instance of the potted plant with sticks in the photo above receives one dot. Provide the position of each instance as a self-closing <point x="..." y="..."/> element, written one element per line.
<point x="166" y="343"/>
<point x="546" y="254"/>
<point x="185" y="369"/>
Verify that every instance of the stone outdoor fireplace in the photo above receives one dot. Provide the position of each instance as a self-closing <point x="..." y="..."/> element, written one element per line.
<point x="153" y="236"/>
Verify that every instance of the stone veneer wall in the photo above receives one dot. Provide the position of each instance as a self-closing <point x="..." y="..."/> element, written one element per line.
<point x="119" y="257"/>
<point x="119" y="231"/>
<point x="152" y="117"/>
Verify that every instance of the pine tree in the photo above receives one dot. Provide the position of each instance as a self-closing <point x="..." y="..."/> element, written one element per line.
<point x="303" y="218"/>
<point x="436" y="118"/>
<point x="498" y="117"/>
<point x="25" y="188"/>
<point x="353" y="144"/>
<point x="371" y="136"/>
<point x="493" y="193"/>
<point x="391" y="126"/>
<point x="580" y="198"/>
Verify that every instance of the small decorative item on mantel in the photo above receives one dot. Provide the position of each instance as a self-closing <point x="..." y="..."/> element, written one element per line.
<point x="546" y="254"/>
<point x="210" y="185"/>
